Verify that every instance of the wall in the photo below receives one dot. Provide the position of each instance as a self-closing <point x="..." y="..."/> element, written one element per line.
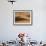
<point x="9" y="31"/>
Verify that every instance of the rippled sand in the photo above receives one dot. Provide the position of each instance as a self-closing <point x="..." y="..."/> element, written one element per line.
<point x="22" y="17"/>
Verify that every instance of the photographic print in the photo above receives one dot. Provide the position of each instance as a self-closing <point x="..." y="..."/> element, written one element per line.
<point x="22" y="16"/>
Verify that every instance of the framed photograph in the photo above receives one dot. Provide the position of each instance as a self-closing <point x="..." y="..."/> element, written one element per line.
<point x="22" y="17"/>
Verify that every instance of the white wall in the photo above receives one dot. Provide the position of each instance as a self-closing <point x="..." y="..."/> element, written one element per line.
<point x="38" y="29"/>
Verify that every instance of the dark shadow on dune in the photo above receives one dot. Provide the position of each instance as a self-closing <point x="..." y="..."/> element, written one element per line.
<point x="28" y="15"/>
<point x="20" y="19"/>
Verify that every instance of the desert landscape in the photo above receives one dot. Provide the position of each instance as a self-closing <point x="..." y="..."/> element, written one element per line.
<point x="22" y="17"/>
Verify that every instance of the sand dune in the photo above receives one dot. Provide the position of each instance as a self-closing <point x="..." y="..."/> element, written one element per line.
<point x="22" y="17"/>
